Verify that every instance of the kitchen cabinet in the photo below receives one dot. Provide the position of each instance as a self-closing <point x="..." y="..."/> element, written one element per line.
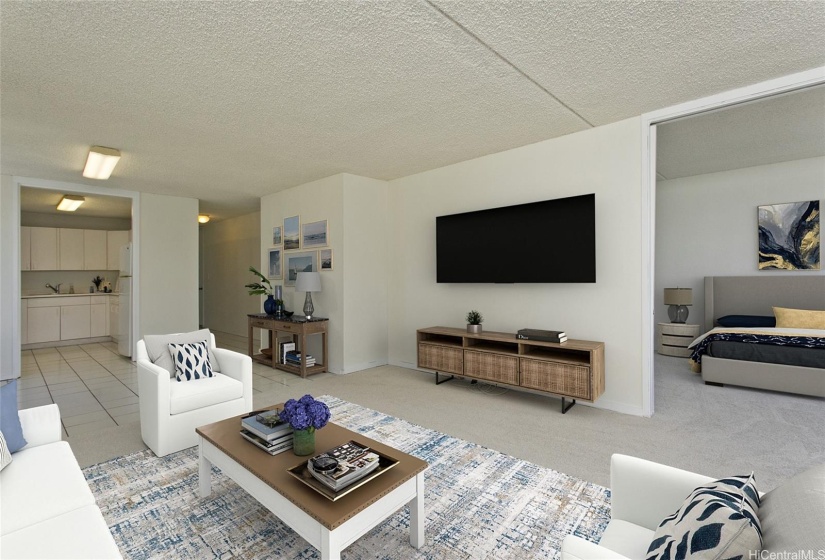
<point x="115" y="240"/>
<point x="25" y="248"/>
<point x="95" y="249"/>
<point x="70" y="245"/>
<point x="43" y="248"/>
<point x="99" y="315"/>
<point x="43" y="324"/>
<point x="55" y="318"/>
<point x="75" y="321"/>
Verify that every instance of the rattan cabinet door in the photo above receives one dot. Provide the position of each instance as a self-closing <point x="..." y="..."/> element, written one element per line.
<point x="441" y="358"/>
<point x="491" y="367"/>
<point x="556" y="377"/>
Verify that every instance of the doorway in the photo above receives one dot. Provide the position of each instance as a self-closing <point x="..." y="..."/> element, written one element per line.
<point x="650" y="124"/>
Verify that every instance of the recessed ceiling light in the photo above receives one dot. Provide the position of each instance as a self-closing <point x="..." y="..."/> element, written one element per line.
<point x="203" y="218"/>
<point x="70" y="203"/>
<point x="101" y="162"/>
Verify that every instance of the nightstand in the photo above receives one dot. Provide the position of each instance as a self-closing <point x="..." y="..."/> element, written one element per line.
<point x="672" y="339"/>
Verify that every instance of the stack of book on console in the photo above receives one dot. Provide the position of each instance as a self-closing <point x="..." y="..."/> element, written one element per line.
<point x="542" y="336"/>
<point x="355" y="461"/>
<point x="294" y="358"/>
<point x="267" y="431"/>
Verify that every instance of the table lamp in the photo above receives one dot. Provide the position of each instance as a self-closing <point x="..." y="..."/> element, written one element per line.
<point x="308" y="282"/>
<point x="677" y="299"/>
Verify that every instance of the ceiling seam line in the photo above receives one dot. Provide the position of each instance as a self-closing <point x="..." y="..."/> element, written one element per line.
<point x="506" y="61"/>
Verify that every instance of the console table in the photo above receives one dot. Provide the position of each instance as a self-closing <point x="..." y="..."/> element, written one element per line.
<point x="572" y="369"/>
<point x="299" y="328"/>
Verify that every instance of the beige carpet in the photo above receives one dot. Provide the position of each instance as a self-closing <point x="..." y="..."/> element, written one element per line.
<point x="717" y="431"/>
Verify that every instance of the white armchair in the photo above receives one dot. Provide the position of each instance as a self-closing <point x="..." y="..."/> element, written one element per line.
<point x="642" y="494"/>
<point x="171" y="410"/>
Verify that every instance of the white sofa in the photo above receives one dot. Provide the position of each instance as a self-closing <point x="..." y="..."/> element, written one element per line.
<point x="46" y="507"/>
<point x="643" y="493"/>
<point x="170" y="410"/>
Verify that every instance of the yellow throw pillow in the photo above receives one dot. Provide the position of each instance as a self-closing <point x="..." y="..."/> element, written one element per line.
<point x="799" y="318"/>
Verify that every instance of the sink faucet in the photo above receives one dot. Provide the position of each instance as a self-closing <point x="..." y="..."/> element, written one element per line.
<point x="55" y="290"/>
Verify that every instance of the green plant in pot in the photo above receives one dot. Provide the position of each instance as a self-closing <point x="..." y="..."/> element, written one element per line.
<point x="264" y="288"/>
<point x="474" y="320"/>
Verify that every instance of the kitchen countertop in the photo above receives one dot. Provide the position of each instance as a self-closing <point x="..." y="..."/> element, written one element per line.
<point x="29" y="296"/>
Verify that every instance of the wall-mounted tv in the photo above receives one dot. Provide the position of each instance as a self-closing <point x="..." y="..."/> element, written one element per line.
<point x="548" y="241"/>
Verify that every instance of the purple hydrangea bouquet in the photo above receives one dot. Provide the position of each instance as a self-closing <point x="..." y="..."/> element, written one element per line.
<point x="305" y="416"/>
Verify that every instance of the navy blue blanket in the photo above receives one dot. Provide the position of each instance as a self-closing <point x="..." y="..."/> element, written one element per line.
<point x="774" y="339"/>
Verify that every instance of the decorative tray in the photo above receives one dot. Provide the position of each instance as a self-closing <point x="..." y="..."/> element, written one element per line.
<point x="301" y="472"/>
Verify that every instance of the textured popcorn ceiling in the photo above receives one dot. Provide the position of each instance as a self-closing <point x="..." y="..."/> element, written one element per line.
<point x="229" y="101"/>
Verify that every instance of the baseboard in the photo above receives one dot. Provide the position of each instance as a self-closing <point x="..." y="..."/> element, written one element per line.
<point x="360" y="367"/>
<point x="615" y="406"/>
<point x="73" y="342"/>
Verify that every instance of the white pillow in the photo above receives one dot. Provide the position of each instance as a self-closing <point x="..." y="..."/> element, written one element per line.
<point x="157" y="347"/>
<point x="717" y="520"/>
<point x="191" y="361"/>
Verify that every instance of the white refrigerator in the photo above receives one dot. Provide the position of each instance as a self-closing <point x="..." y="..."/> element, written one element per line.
<point x="125" y="335"/>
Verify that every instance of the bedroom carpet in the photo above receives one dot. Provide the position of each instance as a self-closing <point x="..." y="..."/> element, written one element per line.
<point x="479" y="504"/>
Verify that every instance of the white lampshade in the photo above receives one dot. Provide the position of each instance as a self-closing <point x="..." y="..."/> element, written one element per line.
<point x="308" y="282"/>
<point x="678" y="296"/>
<point x="101" y="162"/>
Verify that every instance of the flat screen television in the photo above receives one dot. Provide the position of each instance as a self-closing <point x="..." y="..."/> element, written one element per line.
<point x="548" y="241"/>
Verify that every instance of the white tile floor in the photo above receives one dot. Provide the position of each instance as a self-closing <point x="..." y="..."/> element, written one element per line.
<point x="96" y="387"/>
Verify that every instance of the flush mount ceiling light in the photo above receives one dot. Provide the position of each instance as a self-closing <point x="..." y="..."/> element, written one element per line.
<point x="203" y="218"/>
<point x="70" y="203"/>
<point x="101" y="162"/>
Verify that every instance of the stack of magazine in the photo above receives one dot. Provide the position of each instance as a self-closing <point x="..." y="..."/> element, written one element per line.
<point x="266" y="430"/>
<point x="355" y="461"/>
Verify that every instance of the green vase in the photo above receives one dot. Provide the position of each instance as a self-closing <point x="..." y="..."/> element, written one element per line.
<point x="303" y="442"/>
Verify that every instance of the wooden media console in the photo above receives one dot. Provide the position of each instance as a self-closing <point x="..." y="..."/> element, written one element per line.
<point x="573" y="369"/>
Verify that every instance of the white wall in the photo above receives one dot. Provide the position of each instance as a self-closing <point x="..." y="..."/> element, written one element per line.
<point x="168" y="264"/>
<point x="9" y="278"/>
<point x="366" y="244"/>
<point x="706" y="225"/>
<point x="603" y="160"/>
<point x="318" y="200"/>
<point x="228" y="249"/>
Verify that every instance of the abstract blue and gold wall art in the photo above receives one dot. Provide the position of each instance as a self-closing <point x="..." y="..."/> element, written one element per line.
<point x="789" y="236"/>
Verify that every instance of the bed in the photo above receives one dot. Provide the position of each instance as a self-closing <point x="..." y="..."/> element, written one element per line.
<point x="802" y="370"/>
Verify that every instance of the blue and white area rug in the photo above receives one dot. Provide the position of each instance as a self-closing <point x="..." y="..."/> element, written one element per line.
<point x="479" y="504"/>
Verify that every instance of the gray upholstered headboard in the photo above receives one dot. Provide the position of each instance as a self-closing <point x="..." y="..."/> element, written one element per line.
<point x="757" y="295"/>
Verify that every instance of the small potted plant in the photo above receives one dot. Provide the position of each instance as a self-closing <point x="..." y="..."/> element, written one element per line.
<point x="474" y="320"/>
<point x="263" y="288"/>
<point x="305" y="416"/>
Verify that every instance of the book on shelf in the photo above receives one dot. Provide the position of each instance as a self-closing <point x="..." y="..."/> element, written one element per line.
<point x="273" y="448"/>
<point x="355" y="461"/>
<point x="541" y="335"/>
<point x="295" y="359"/>
<point x="283" y="349"/>
<point x="266" y="425"/>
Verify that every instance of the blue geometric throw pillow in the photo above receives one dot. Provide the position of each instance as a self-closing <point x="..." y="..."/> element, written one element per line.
<point x="717" y="520"/>
<point x="191" y="361"/>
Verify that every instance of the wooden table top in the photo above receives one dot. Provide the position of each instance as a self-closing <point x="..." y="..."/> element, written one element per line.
<point x="225" y="435"/>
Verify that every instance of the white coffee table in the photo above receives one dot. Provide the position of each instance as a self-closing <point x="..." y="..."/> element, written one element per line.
<point x="328" y="526"/>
